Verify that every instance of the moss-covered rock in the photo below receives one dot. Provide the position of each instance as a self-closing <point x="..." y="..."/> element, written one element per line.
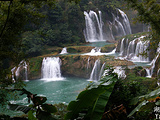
<point x="79" y="49"/>
<point x="34" y="68"/>
<point x="108" y="48"/>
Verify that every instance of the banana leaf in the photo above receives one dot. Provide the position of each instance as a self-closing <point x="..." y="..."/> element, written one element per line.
<point x="90" y="103"/>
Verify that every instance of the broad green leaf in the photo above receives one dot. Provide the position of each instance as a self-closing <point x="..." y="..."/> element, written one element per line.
<point x="138" y="108"/>
<point x="49" y="108"/>
<point x="99" y="105"/>
<point x="92" y="100"/>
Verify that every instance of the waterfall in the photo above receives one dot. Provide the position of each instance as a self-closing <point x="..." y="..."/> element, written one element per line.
<point x="95" y="71"/>
<point x="94" y="27"/>
<point x="118" y="25"/>
<point x="133" y="50"/>
<point x="120" y="72"/>
<point x="101" y="71"/>
<point x="148" y="73"/>
<point x="64" y="51"/>
<point x="154" y="60"/>
<point x="122" y="46"/>
<point x="126" y="22"/>
<point x="110" y="28"/>
<point x="97" y="51"/>
<point x="17" y="70"/>
<point x="51" y="68"/>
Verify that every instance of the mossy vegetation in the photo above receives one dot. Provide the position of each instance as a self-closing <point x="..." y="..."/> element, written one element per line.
<point x="35" y="67"/>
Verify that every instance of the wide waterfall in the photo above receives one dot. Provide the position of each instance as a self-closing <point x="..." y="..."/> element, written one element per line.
<point x="95" y="30"/>
<point x="94" y="27"/>
<point x="132" y="50"/>
<point x="51" y="68"/>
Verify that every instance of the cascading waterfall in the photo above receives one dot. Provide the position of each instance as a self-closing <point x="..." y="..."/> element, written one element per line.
<point x="51" y="68"/>
<point x="150" y="71"/>
<point x="126" y="22"/>
<point x="97" y="71"/>
<point x="122" y="46"/>
<point x="64" y="51"/>
<point x="120" y="72"/>
<point x="16" y="70"/>
<point x="94" y="31"/>
<point x="133" y="49"/>
<point x="118" y="25"/>
<point x="97" y="51"/>
<point x="92" y="24"/>
<point x="101" y="71"/>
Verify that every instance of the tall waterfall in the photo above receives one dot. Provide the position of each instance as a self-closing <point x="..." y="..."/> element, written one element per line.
<point x="118" y="25"/>
<point x="94" y="27"/>
<point x="51" y="68"/>
<point x="133" y="50"/>
<point x="125" y="22"/>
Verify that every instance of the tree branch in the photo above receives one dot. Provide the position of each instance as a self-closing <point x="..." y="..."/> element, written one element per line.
<point x="6" y="19"/>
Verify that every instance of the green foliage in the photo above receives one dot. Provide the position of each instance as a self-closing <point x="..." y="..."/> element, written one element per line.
<point x="148" y="13"/>
<point x="90" y="103"/>
<point x="146" y="103"/>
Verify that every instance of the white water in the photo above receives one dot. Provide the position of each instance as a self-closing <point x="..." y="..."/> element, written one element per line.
<point x="150" y="71"/>
<point x="95" y="71"/>
<point x="51" y="69"/>
<point x="118" y="25"/>
<point x="16" y="70"/>
<point x="64" y="51"/>
<point x="122" y="46"/>
<point x="94" y="27"/>
<point x="134" y="49"/>
<point x="126" y="22"/>
<point x="97" y="52"/>
<point x="120" y="72"/>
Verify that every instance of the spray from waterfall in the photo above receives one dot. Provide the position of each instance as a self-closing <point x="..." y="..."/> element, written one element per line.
<point x="51" y="69"/>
